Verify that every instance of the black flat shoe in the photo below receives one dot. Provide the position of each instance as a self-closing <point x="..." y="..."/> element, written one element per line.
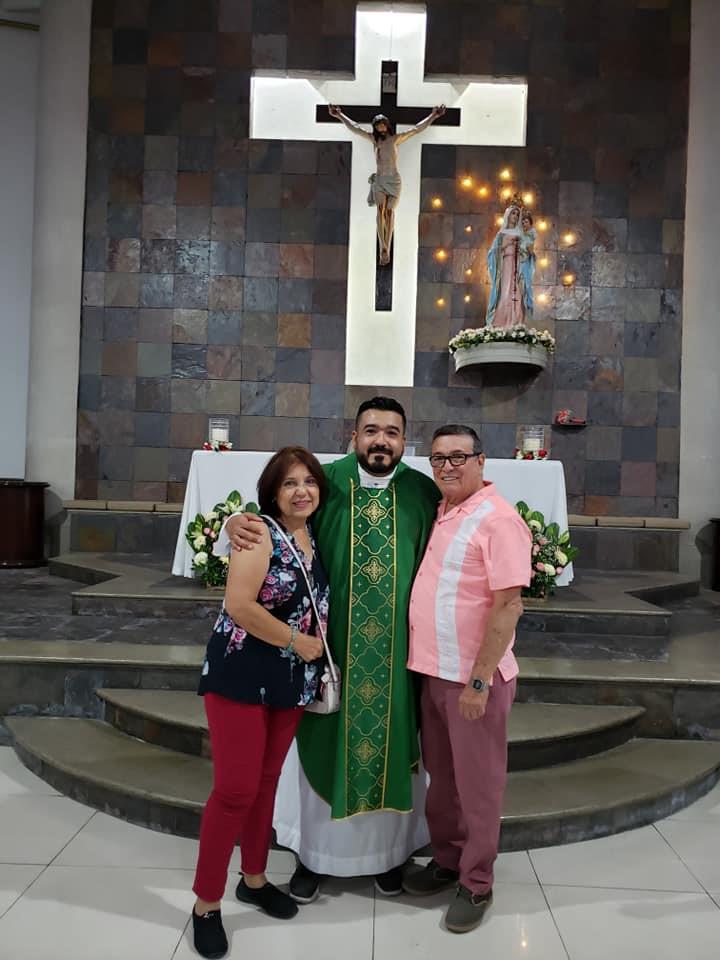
<point x="269" y="899"/>
<point x="304" y="885"/>
<point x="208" y="935"/>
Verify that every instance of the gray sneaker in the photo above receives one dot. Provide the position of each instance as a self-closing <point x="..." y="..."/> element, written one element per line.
<point x="431" y="879"/>
<point x="467" y="910"/>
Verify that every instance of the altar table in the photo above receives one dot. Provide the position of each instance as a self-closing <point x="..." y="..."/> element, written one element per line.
<point x="540" y="483"/>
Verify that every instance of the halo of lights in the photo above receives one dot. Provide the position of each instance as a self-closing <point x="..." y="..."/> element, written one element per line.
<point x="440" y="302"/>
<point x="568" y="279"/>
<point x="468" y="272"/>
<point x="466" y="182"/>
<point x="468" y="229"/>
<point x="505" y="174"/>
<point x="569" y="238"/>
<point x="441" y="254"/>
<point x="528" y="199"/>
<point x="542" y="224"/>
<point x="467" y="298"/>
<point x="483" y="192"/>
<point x="436" y="202"/>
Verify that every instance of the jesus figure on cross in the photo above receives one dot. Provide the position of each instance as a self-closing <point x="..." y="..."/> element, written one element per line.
<point x="385" y="183"/>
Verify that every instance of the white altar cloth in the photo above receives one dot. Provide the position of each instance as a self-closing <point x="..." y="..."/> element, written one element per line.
<point x="540" y="483"/>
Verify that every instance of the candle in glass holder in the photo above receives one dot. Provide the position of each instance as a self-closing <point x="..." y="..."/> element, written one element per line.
<point x="531" y="445"/>
<point x="533" y="439"/>
<point x="219" y="430"/>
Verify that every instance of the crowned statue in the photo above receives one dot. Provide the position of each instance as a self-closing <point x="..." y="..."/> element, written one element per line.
<point x="511" y="264"/>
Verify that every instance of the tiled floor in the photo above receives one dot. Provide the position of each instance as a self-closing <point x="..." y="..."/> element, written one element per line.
<point x="78" y="884"/>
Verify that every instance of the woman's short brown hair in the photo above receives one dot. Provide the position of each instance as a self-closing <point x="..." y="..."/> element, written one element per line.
<point x="276" y="470"/>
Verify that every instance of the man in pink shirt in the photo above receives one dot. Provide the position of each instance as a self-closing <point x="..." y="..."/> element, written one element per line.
<point x="464" y="607"/>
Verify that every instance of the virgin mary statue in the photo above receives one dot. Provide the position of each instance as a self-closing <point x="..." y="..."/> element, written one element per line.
<point x="507" y="304"/>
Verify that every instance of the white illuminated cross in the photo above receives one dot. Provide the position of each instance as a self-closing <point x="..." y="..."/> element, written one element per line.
<point x="380" y="348"/>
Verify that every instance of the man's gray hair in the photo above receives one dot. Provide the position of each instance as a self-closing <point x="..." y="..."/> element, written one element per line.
<point x="459" y="430"/>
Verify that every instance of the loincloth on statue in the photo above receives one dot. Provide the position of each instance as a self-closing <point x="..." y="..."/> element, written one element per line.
<point x="385" y="183"/>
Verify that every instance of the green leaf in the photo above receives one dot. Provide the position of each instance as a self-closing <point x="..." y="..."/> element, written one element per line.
<point x="522" y="508"/>
<point x="252" y="508"/>
<point x="552" y="531"/>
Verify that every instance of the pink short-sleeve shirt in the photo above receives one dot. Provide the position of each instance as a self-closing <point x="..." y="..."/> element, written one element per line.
<point x="480" y="546"/>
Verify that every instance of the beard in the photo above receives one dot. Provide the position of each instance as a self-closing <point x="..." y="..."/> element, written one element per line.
<point x="369" y="462"/>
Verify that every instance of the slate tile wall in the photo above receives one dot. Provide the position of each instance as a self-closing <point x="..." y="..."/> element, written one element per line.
<point x="215" y="267"/>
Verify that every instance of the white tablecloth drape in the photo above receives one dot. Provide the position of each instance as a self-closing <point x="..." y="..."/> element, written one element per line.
<point x="540" y="483"/>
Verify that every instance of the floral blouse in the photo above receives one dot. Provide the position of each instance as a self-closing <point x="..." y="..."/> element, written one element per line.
<point x="242" y="667"/>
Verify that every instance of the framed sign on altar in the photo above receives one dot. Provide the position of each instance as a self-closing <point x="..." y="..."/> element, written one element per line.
<point x="540" y="483"/>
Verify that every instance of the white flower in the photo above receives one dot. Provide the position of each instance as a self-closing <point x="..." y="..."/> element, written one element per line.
<point x="561" y="558"/>
<point x="549" y="569"/>
<point x="225" y="560"/>
<point x="534" y="524"/>
<point x="211" y="516"/>
<point x="199" y="541"/>
<point x="200" y="560"/>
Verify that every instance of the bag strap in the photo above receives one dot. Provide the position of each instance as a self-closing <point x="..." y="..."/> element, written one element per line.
<point x="334" y="673"/>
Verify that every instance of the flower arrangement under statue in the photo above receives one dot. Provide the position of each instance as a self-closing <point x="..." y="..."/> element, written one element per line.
<point x="203" y="531"/>
<point x="551" y="552"/>
<point x="501" y="345"/>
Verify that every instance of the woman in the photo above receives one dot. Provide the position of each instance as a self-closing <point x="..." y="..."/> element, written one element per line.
<point x="528" y="236"/>
<point x="505" y="306"/>
<point x="262" y="667"/>
<point x="385" y="183"/>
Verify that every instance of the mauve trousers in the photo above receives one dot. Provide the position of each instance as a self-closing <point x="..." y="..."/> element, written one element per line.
<point x="249" y="744"/>
<point x="467" y="764"/>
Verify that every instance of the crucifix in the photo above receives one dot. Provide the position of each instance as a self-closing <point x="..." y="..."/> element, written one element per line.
<point x="380" y="343"/>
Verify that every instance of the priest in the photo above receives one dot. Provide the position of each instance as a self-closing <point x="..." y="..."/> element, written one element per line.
<point x="350" y="800"/>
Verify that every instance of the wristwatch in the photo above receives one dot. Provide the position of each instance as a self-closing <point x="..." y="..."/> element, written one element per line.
<point x="480" y="685"/>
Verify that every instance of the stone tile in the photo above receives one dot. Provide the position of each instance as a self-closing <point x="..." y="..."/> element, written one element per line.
<point x="256" y="433"/>
<point x="152" y="394"/>
<point x="154" y="359"/>
<point x="188" y="396"/>
<point x="257" y="398"/>
<point x="154" y="326"/>
<point x="223" y="397"/>
<point x="640" y="409"/>
<point x="229" y="293"/>
<point x="89" y="392"/>
<point x="158" y="222"/>
<point x="295" y="226"/>
<point x="329" y="296"/>
<point x="670" y="310"/>
<point x="161" y="153"/>
<point x="159" y="186"/>
<point x="575" y="199"/>
<point x="643" y="306"/>
<point x="296" y="260"/>
<point x="188" y="430"/>
<point x="606" y="339"/>
<point x="327" y="366"/>
<point x="264" y="191"/>
<point x="293" y="330"/>
<point x="157" y="290"/>
<point x="292" y="400"/>
<point x="639" y="444"/>
<point x="227" y="258"/>
<point x="637" y="480"/>
<point x="258" y="363"/>
<point x="224" y="326"/>
<point x="189" y="361"/>
<point x="609" y="235"/>
<point x="195" y="154"/>
<point x="119" y="359"/>
<point x="668" y="479"/>
<point x="190" y="326"/>
<point x="330" y="261"/>
<point x="93" y="289"/>
<point x="498" y="439"/>
<point x="192" y="256"/>
<point x="223" y="362"/>
<point x="668" y="410"/>
<point x="123" y="256"/>
<point x="116" y="463"/>
<point x="294" y="296"/>
<point x="124" y="189"/>
<point x="327" y="400"/>
<point x="120" y="323"/>
<point x="152" y="430"/>
<point x="157" y="256"/>
<point x="262" y="259"/>
<point x="603" y="443"/>
<point x="431" y="369"/>
<point x="290" y="431"/>
<point x="193" y="223"/>
<point x="429" y="403"/>
<point x="116" y="425"/>
<point x="673" y="236"/>
<point x="572" y="303"/>
<point x="608" y="304"/>
<point x="122" y="289"/>
<point x="191" y="291"/>
<point x="645" y="235"/>
<point x="668" y="445"/>
<point x="646" y="270"/>
<point x="261" y="294"/>
<point x="293" y="365"/>
<point x="327" y="331"/>
<point x="609" y="269"/>
<point x="641" y="374"/>
<point x="603" y="479"/>
<point x="92" y="323"/>
<point x="331" y="226"/>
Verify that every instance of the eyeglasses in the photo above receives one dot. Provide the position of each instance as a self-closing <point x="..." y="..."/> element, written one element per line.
<point x="456" y="459"/>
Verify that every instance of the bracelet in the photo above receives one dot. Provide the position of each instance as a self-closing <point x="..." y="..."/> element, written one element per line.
<point x="293" y="635"/>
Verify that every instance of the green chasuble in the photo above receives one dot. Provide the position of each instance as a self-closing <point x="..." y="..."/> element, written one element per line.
<point x="371" y="543"/>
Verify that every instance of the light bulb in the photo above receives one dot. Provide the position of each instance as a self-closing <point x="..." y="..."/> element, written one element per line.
<point x="441" y="254"/>
<point x="467" y="182"/>
<point x="543" y="261"/>
<point x="568" y="279"/>
<point x="542" y="225"/>
<point x="498" y="221"/>
<point x="483" y="192"/>
<point x="528" y="199"/>
<point x="505" y="174"/>
<point x="542" y="298"/>
<point x="436" y="202"/>
<point x="440" y="301"/>
<point x="468" y="272"/>
<point x="506" y="193"/>
<point x="467" y="298"/>
<point x="468" y="229"/>
<point x="569" y="238"/>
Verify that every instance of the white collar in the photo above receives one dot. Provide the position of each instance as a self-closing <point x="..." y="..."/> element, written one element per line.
<point x="373" y="482"/>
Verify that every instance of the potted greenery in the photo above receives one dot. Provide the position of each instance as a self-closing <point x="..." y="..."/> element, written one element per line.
<point x="201" y="534"/>
<point x="518" y="344"/>
<point x="551" y="552"/>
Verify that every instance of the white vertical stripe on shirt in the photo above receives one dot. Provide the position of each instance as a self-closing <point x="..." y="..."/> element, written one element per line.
<point x="446" y="598"/>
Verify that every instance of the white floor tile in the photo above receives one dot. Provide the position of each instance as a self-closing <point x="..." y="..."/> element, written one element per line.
<point x="698" y="844"/>
<point x="514" y="868"/>
<point x="85" y="913"/>
<point x="15" y="778"/>
<point x="33" y="829"/>
<point x="638" y="859"/>
<point x="338" y="925"/>
<point x="518" y="924"/>
<point x="635" y="924"/>
<point x="14" y="879"/>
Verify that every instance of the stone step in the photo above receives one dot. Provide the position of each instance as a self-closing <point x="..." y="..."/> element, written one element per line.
<point x="538" y="734"/>
<point x="628" y="786"/>
<point x="578" y="645"/>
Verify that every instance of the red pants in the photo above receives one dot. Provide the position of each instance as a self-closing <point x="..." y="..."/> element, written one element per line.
<point x="249" y="745"/>
<point x="467" y="763"/>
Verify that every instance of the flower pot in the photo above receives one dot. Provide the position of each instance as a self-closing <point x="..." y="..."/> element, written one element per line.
<point x="502" y="351"/>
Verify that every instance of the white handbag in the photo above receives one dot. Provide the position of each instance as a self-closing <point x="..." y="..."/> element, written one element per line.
<point x="330" y="687"/>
